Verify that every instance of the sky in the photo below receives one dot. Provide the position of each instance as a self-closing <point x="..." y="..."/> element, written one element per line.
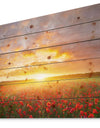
<point x="24" y="65"/>
<point x="17" y="10"/>
<point x="59" y="55"/>
<point x="12" y="11"/>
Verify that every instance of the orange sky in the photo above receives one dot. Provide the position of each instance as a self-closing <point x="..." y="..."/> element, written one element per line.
<point x="55" y="54"/>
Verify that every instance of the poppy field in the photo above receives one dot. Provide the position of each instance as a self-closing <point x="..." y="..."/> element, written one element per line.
<point x="50" y="66"/>
<point x="57" y="99"/>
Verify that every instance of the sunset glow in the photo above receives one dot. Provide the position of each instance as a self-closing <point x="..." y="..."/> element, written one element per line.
<point x="50" y="66"/>
<point x="40" y="76"/>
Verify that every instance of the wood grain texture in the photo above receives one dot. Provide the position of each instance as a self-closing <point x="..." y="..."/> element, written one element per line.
<point x="53" y="21"/>
<point x="53" y="47"/>
<point x="45" y="91"/>
<point x="67" y="70"/>
<point x="67" y="35"/>
<point x="89" y="49"/>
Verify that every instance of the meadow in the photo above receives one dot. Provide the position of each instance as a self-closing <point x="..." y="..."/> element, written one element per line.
<point x="78" y="98"/>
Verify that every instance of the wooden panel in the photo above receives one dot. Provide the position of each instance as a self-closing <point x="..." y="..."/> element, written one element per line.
<point x="67" y="70"/>
<point x="53" y="58"/>
<point x="50" y="90"/>
<point x="72" y="34"/>
<point x="53" y="21"/>
<point x="89" y="49"/>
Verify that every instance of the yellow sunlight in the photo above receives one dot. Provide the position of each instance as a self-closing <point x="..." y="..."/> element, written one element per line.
<point x="40" y="76"/>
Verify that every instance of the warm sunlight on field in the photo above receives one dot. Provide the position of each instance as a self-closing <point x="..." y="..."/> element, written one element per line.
<point x="40" y="76"/>
<point x="50" y="66"/>
<point x="65" y="99"/>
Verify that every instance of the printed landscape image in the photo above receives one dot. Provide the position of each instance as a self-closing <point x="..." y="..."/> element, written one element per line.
<point x="50" y="74"/>
<point x="49" y="83"/>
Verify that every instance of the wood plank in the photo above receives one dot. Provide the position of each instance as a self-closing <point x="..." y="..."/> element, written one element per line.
<point x="75" y="51"/>
<point x="49" y="90"/>
<point x="66" y="70"/>
<point x="72" y="34"/>
<point x="44" y="23"/>
<point x="89" y="49"/>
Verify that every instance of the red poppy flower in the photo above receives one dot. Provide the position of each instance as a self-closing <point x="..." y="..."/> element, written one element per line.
<point x="70" y="103"/>
<point x="48" y="104"/>
<point x="24" y="112"/>
<point x="72" y="110"/>
<point x="81" y="106"/>
<point x="36" y="109"/>
<point x="77" y="105"/>
<point x="85" y="113"/>
<point x="81" y="113"/>
<point x="39" y="112"/>
<point x="21" y="103"/>
<point x="91" y="115"/>
<point x="90" y="104"/>
<point x="98" y="108"/>
<point x="19" y="110"/>
<point x="29" y="106"/>
<point x="96" y="101"/>
<point x="65" y="101"/>
<point x="15" y="102"/>
<point x="60" y="105"/>
<point x="95" y="111"/>
<point x="65" y="109"/>
<point x="30" y="116"/>
<point x="54" y="110"/>
<point x="58" y="116"/>
<point x="47" y="110"/>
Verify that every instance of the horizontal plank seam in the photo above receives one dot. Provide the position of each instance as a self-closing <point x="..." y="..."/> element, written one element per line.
<point x="84" y="41"/>
<point x="50" y="81"/>
<point x="50" y="29"/>
<point x="49" y="63"/>
<point x="71" y="98"/>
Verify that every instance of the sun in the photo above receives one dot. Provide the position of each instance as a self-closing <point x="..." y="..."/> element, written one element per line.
<point x="40" y="76"/>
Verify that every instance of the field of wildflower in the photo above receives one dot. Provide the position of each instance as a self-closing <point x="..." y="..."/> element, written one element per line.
<point x="59" y="99"/>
